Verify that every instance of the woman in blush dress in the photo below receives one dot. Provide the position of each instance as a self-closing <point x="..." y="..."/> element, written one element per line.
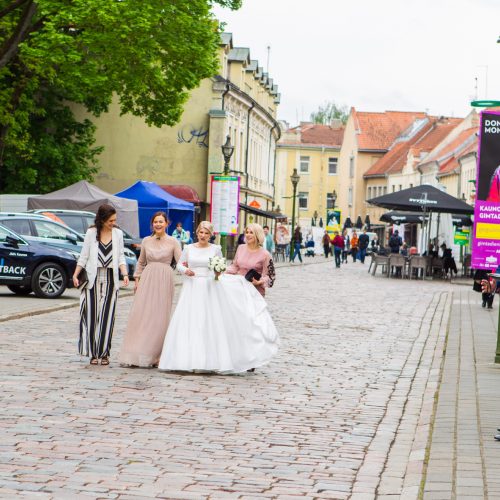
<point x="218" y="325"/>
<point x="253" y="256"/>
<point x="154" y="292"/>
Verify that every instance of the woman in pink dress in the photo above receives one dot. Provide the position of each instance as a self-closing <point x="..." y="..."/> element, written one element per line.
<point x="154" y="291"/>
<point x="252" y="256"/>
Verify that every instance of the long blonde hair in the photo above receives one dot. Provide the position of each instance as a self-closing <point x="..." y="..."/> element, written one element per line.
<point x="258" y="232"/>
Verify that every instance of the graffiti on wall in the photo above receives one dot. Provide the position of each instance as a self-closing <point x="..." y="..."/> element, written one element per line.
<point x="193" y="135"/>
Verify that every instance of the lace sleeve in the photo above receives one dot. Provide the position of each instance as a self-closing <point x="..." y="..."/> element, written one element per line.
<point x="268" y="273"/>
<point x="271" y="273"/>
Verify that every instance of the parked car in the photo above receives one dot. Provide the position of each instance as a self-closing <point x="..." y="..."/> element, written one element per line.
<point x="41" y="229"/>
<point x="81" y="220"/>
<point x="27" y="267"/>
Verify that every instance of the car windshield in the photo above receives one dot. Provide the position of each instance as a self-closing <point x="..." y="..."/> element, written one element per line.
<point x="73" y="221"/>
<point x="47" y="229"/>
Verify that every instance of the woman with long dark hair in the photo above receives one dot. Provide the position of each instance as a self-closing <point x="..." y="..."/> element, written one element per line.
<point x="102" y="257"/>
<point x="154" y="292"/>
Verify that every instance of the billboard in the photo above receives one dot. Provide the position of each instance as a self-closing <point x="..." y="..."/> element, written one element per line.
<point x="486" y="229"/>
<point x="333" y="220"/>
<point x="225" y="204"/>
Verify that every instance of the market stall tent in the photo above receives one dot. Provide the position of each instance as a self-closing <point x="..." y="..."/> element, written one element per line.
<point x="85" y="196"/>
<point x="152" y="198"/>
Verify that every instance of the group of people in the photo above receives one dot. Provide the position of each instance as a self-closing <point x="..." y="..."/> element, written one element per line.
<point x="343" y="245"/>
<point x="221" y="322"/>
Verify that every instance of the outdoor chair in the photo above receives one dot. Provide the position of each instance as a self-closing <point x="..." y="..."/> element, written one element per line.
<point x="416" y="263"/>
<point x="382" y="261"/>
<point x="280" y="253"/>
<point x="396" y="261"/>
<point x="437" y="267"/>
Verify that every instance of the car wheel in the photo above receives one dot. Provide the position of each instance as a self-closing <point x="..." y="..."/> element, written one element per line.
<point x="49" y="281"/>
<point x="20" y="289"/>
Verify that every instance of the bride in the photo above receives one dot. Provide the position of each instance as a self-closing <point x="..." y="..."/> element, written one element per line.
<point x="218" y="325"/>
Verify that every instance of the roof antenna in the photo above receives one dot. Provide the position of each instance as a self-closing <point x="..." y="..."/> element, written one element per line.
<point x="268" y="57"/>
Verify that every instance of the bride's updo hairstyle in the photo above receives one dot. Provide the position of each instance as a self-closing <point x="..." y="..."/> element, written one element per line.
<point x="204" y="224"/>
<point x="258" y="232"/>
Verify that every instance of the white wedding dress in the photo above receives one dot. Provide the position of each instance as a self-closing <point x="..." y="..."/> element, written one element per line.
<point x="221" y="326"/>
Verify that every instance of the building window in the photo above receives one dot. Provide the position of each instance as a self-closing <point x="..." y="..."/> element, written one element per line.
<point x="303" y="200"/>
<point x="351" y="167"/>
<point x="400" y="187"/>
<point x="394" y="188"/>
<point x="332" y="166"/>
<point x="329" y="200"/>
<point x="385" y="189"/>
<point x="349" y="197"/>
<point x="304" y="164"/>
<point x="369" y="194"/>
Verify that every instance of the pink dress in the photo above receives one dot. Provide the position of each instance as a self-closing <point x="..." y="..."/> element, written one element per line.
<point x="150" y="313"/>
<point x="260" y="260"/>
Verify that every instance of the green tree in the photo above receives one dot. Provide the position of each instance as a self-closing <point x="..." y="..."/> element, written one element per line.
<point x="330" y="111"/>
<point x="150" y="53"/>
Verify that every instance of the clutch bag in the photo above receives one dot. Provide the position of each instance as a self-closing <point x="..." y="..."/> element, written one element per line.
<point x="83" y="279"/>
<point x="251" y="274"/>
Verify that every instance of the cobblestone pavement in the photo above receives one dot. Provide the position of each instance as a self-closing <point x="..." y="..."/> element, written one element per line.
<point x="343" y="411"/>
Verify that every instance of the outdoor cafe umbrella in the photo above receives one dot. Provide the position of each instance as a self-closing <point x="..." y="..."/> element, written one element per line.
<point x="347" y="223"/>
<point x="395" y="217"/>
<point x="423" y="198"/>
<point x="367" y="222"/>
<point x="359" y="222"/>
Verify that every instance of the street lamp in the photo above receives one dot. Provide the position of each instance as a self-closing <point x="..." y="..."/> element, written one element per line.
<point x="334" y="198"/>
<point x="295" y="178"/>
<point x="315" y="217"/>
<point x="227" y="152"/>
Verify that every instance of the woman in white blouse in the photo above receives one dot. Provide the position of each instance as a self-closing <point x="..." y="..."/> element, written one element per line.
<point x="102" y="257"/>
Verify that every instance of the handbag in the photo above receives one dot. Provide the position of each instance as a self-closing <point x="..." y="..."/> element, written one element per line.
<point x="83" y="279"/>
<point x="251" y="274"/>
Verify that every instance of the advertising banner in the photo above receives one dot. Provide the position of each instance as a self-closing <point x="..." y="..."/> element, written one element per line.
<point x="225" y="204"/>
<point x="333" y="220"/>
<point x="461" y="236"/>
<point x="486" y="229"/>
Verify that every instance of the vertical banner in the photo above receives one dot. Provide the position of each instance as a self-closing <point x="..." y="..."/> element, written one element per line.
<point x="225" y="204"/>
<point x="333" y="220"/>
<point x="486" y="229"/>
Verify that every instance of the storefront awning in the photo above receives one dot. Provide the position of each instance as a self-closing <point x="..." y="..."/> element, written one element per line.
<point x="262" y="213"/>
<point x="182" y="191"/>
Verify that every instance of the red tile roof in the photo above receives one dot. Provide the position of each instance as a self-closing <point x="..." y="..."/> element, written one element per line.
<point x="377" y="131"/>
<point x="313" y="134"/>
<point x="466" y="142"/>
<point x="462" y="140"/>
<point x="426" y="139"/>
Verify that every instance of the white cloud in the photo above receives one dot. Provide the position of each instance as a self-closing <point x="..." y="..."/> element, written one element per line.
<point x="387" y="54"/>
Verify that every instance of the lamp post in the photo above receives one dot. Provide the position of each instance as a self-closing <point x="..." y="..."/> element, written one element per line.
<point x="334" y="198"/>
<point x="295" y="178"/>
<point x="227" y="152"/>
<point x="315" y="217"/>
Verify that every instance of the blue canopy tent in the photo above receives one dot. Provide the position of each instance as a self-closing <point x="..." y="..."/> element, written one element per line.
<point x="151" y="198"/>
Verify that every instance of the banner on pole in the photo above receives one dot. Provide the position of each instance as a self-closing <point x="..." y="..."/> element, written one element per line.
<point x="225" y="204"/>
<point x="486" y="229"/>
<point x="333" y="220"/>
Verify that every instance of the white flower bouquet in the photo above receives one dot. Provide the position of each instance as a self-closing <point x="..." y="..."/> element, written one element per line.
<point x="217" y="265"/>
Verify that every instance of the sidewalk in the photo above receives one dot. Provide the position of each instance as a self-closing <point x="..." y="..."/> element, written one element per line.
<point x="464" y="459"/>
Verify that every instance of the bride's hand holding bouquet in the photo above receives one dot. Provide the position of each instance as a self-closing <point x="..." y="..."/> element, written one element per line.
<point x="217" y="265"/>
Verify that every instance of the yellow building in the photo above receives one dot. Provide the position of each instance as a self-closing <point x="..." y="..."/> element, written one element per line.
<point x="241" y="101"/>
<point x="313" y="150"/>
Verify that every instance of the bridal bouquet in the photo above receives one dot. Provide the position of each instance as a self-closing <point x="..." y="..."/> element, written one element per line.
<point x="217" y="265"/>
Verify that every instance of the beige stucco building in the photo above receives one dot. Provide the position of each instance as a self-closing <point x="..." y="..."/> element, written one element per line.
<point x="241" y="101"/>
<point x="314" y="151"/>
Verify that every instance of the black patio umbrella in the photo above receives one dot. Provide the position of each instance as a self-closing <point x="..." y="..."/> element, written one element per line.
<point x="423" y="198"/>
<point x="367" y="222"/>
<point x="359" y="222"/>
<point x="321" y="222"/>
<point x="461" y="221"/>
<point x="402" y="217"/>
<point x="347" y="223"/>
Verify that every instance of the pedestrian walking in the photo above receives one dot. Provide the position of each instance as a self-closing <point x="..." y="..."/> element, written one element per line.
<point x="102" y="257"/>
<point x="154" y="291"/>
<point x="338" y="247"/>
<point x="347" y="247"/>
<point x="297" y="244"/>
<point x="486" y="286"/>
<point x="363" y="242"/>
<point x="326" y="244"/>
<point x="395" y="242"/>
<point x="224" y="325"/>
<point x="354" y="245"/>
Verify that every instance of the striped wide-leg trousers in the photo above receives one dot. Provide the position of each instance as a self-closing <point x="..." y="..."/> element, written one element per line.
<point x="97" y="315"/>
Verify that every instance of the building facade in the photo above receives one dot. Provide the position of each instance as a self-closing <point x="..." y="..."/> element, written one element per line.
<point x="313" y="150"/>
<point x="240" y="102"/>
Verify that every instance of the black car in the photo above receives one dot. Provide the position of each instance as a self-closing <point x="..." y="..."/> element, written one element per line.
<point x="27" y="267"/>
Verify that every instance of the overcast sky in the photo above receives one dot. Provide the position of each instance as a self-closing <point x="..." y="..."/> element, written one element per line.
<point x="374" y="55"/>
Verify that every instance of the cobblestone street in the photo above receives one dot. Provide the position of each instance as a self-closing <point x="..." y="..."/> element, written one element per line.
<point x="343" y="411"/>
